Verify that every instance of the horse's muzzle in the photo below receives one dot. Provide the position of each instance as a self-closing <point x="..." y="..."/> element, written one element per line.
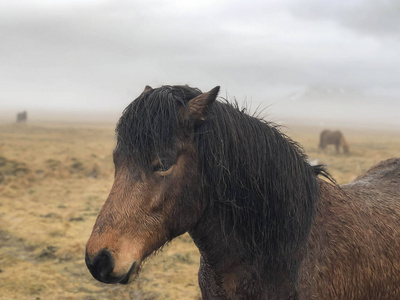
<point x="102" y="266"/>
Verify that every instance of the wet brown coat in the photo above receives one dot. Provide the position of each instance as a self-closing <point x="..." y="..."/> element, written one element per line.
<point x="354" y="245"/>
<point x="353" y="250"/>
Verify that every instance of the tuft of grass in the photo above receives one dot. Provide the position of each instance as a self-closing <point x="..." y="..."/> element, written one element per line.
<point x="10" y="167"/>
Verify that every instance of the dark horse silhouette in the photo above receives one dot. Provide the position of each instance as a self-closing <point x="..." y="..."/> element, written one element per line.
<point x="266" y="225"/>
<point x="21" y="117"/>
<point x="336" y="138"/>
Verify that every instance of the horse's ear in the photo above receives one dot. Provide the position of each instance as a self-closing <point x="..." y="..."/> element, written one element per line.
<point x="197" y="107"/>
<point x="147" y="88"/>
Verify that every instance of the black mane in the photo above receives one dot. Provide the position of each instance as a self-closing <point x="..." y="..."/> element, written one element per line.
<point x="260" y="181"/>
<point x="256" y="178"/>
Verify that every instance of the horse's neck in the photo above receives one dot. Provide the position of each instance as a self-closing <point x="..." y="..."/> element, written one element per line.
<point x="226" y="274"/>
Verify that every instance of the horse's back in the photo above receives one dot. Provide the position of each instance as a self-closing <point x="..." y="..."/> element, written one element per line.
<point x="324" y="134"/>
<point x="354" y="245"/>
<point x="386" y="173"/>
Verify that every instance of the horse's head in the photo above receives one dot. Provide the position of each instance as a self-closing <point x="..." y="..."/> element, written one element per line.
<point x="156" y="181"/>
<point x="346" y="149"/>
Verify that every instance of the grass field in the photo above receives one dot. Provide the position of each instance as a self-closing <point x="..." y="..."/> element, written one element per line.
<point x="53" y="181"/>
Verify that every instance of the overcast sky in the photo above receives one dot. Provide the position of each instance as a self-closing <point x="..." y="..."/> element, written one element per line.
<point x="93" y="55"/>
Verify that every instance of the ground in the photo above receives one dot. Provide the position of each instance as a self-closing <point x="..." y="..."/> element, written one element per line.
<point x="55" y="178"/>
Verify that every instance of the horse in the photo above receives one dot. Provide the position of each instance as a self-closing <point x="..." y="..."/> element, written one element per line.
<point x="22" y="117"/>
<point x="267" y="224"/>
<point x="336" y="138"/>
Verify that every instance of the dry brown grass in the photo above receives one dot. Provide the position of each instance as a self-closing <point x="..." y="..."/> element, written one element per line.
<point x="53" y="181"/>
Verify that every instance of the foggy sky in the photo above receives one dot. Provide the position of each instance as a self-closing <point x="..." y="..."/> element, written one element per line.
<point x="97" y="56"/>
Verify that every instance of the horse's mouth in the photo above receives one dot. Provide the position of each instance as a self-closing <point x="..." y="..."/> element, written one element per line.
<point x="132" y="270"/>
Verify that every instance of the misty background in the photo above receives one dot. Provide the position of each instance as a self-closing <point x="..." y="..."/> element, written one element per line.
<point x="322" y="62"/>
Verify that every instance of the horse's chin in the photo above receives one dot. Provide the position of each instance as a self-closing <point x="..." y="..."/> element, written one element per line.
<point x="132" y="274"/>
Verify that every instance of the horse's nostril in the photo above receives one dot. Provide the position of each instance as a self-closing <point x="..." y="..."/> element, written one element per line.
<point x="101" y="266"/>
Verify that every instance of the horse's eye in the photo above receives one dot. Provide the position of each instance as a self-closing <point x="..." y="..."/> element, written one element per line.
<point x="162" y="166"/>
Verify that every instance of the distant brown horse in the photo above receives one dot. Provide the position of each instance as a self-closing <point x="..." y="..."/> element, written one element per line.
<point x="266" y="225"/>
<point x="336" y="138"/>
<point x="22" y="117"/>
